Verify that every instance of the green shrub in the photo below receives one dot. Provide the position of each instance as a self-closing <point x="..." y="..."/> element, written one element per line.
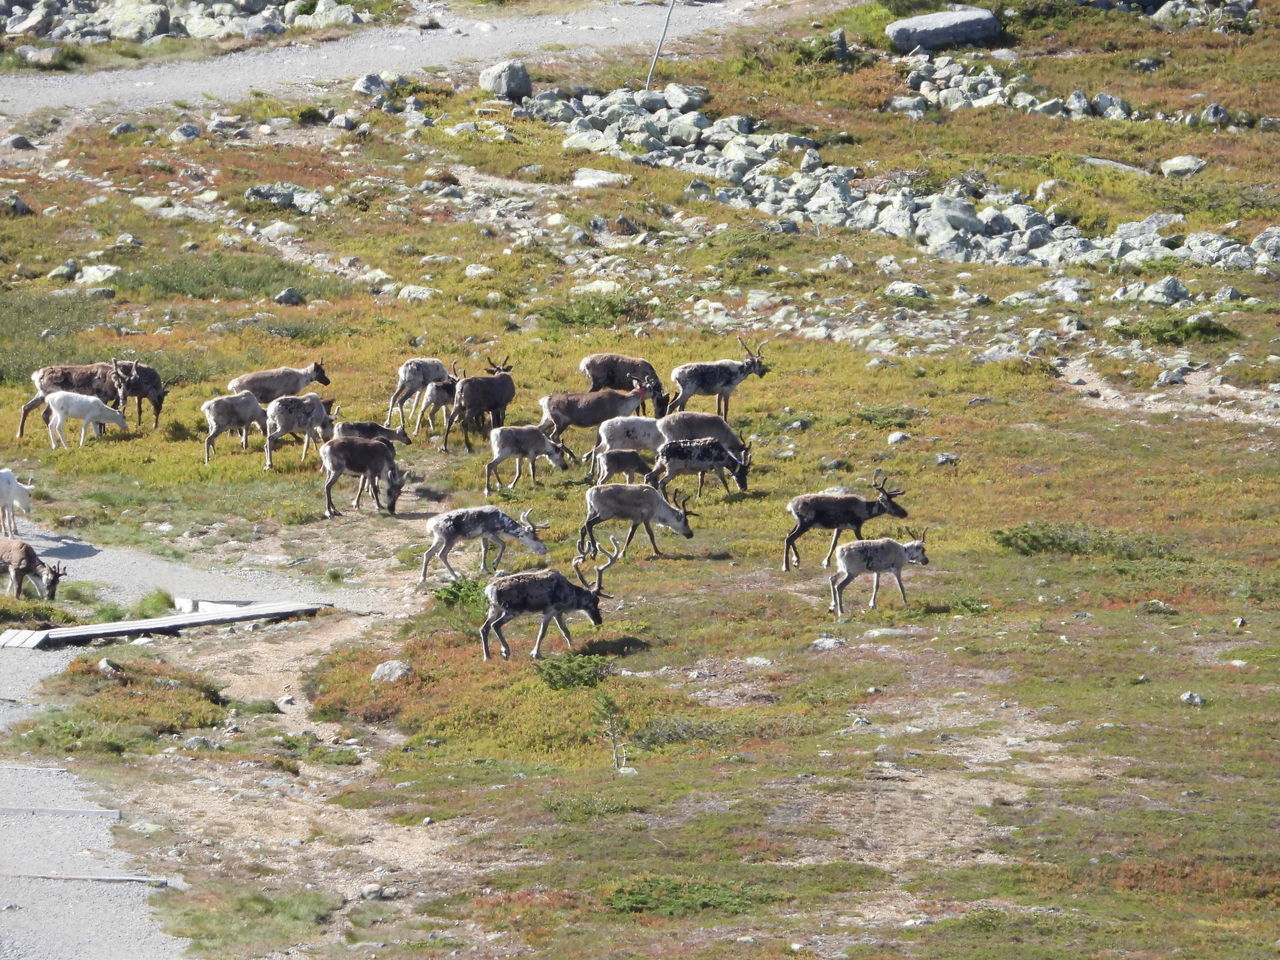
<point x="1175" y="330"/>
<point x="465" y="595"/>
<point x="679" y="897"/>
<point x="157" y="603"/>
<point x="885" y="418"/>
<point x="573" y="670"/>
<point x="597" y="310"/>
<point x="594" y="806"/>
<point x="227" y="275"/>
<point x="1079" y="540"/>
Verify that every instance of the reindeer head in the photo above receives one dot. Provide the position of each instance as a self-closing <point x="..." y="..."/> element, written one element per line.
<point x="742" y="466"/>
<point x="653" y="387"/>
<point x="493" y="369"/>
<point x="317" y="373"/>
<point x="556" y="453"/>
<point x="683" y="513"/>
<point x="592" y="595"/>
<point x="915" y="548"/>
<point x="529" y="534"/>
<point x="50" y="576"/>
<point x="401" y="436"/>
<point x="754" y="360"/>
<point x="886" y="498"/>
<point x="395" y="483"/>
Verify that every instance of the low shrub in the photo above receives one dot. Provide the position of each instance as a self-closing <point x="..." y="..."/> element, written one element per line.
<point x="1038" y="536"/>
<point x="573" y="670"/>
<point x="679" y="897"/>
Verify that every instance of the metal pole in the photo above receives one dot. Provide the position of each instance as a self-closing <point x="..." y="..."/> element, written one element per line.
<point x="671" y="5"/>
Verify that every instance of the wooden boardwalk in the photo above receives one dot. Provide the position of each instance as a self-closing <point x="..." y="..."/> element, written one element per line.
<point x="170" y="625"/>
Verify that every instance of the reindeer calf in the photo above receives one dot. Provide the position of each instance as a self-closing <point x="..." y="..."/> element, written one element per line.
<point x="236" y="412"/>
<point x="21" y="561"/>
<point x="64" y="406"/>
<point x="637" y="502"/>
<point x="308" y="415"/>
<point x="14" y="495"/>
<point x="628" y="462"/>
<point x="874" y="557"/>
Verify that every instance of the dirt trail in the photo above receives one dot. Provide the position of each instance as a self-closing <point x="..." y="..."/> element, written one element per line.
<point x="308" y="65"/>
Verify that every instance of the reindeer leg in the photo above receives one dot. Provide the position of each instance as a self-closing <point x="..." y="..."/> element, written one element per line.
<point x="723" y="481"/>
<point x="84" y="427"/>
<point x="497" y="617"/>
<point x="837" y="592"/>
<point x="835" y="538"/>
<point x="502" y="548"/>
<point x="26" y="409"/>
<point x="139" y="401"/>
<point x="519" y="468"/>
<point x="789" y="545"/>
<point x="542" y="632"/>
<point x="426" y="559"/>
<point x="431" y="420"/>
<point x="875" y="588"/>
<point x="564" y="630"/>
<point x="208" y="442"/>
<point x="902" y="590"/>
<point x="306" y="441"/>
<point x="630" y="533"/>
<point x="648" y="529"/>
<point x="444" y="558"/>
<point x="330" y="510"/>
<point x="702" y="476"/>
<point x="533" y="470"/>
<point x="492" y="468"/>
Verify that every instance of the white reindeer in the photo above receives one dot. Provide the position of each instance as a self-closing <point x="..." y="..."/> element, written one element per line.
<point x="874" y="557"/>
<point x="414" y="376"/>
<point x="14" y="495"/>
<point x="64" y="406"/>
<point x="268" y="385"/>
<point x="236" y="412"/>
<point x="490" y="525"/>
<point x="308" y="415"/>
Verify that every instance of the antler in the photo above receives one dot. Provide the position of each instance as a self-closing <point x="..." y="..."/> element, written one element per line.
<point x="742" y="343"/>
<point x="683" y="506"/>
<point x="613" y="558"/>
<point x="524" y="517"/>
<point x="878" y="479"/>
<point x="453" y="367"/>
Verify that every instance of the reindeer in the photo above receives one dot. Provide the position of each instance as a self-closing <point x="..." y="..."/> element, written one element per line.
<point x="677" y="457"/>
<point x="523" y="443"/>
<point x="63" y="405"/>
<point x="137" y="380"/>
<point x="691" y="425"/>
<point x="547" y="592"/>
<point x="236" y="412"/>
<point x="413" y="378"/>
<point x="478" y="397"/>
<point x="371" y="460"/>
<point x="438" y="395"/>
<point x="875" y="557"/>
<point x="368" y="430"/>
<point x="268" y="385"/>
<point x="308" y="415"/>
<point x="637" y="502"/>
<point x="563" y="410"/>
<point x="718" y="377"/>
<point x="21" y="561"/>
<point x="628" y="462"/>
<point x="91" y="379"/>
<point x="837" y="512"/>
<point x="629" y="433"/>
<point x="490" y="524"/>
<point x="14" y="495"/>
<point x="616" y="371"/>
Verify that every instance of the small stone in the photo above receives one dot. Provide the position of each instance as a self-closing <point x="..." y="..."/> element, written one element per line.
<point x="289" y="297"/>
<point x="120" y="129"/>
<point x="389" y="671"/>
<point x="200" y="743"/>
<point x="184" y="133"/>
<point x="372" y="891"/>
<point x="945" y="459"/>
<point x="110" y="669"/>
<point x="17" y="142"/>
<point x="1158" y="606"/>
<point x="898" y="436"/>
<point x="1192" y="699"/>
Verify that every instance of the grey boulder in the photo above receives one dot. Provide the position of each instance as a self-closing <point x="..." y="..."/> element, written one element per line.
<point x="934" y="30"/>
<point x="509" y="79"/>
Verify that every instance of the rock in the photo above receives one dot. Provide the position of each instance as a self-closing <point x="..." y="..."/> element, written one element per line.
<point x="1172" y="377"/>
<point x="185" y="133"/>
<point x="120" y="129"/>
<point x="415" y="293"/>
<point x="110" y="669"/>
<point x="945" y="459"/>
<point x="371" y="891"/>
<point x="509" y="79"/>
<point x="934" y="30"/>
<point x="370" y="84"/>
<point x="1192" y="699"/>
<point x="1164" y="292"/>
<point x="1158" y="606"/>
<point x="137" y="21"/>
<point x="588" y="179"/>
<point x="389" y="671"/>
<point x="904" y="288"/>
<point x="1184" y="166"/>
<point x="200" y="743"/>
<point x="275" y="194"/>
<point x="66" y="271"/>
<point x="897" y="437"/>
<point x="17" y="142"/>
<point x="277" y="230"/>
<point x="827" y="641"/>
<point x="97" y="273"/>
<point x="289" y="297"/>
<point x="685" y="98"/>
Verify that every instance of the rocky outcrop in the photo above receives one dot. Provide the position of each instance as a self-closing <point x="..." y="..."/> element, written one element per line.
<point x="948" y="29"/>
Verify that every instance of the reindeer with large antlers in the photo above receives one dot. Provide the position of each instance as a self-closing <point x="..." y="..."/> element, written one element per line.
<point x="490" y="525"/>
<point x="838" y="512"/>
<point x="548" y="592"/>
<point x="718" y="377"/>
<point x="638" y="502"/>
<point x="479" y="396"/>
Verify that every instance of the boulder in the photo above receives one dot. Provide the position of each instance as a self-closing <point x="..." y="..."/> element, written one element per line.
<point x="685" y="98"/>
<point x="588" y="179"/>
<point x="1164" y="292"/>
<point x="509" y="79"/>
<point x="934" y="30"/>
<point x="17" y="142"/>
<point x="389" y="671"/>
<point x="289" y="297"/>
<point x="184" y="133"/>
<point x="138" y="21"/>
<point x="1183" y="166"/>
<point x="904" y="288"/>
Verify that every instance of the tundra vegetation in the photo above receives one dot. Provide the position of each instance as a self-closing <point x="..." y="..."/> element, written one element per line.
<point x="1005" y="758"/>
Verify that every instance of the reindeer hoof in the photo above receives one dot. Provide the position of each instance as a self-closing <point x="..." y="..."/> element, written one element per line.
<point x="333" y="513"/>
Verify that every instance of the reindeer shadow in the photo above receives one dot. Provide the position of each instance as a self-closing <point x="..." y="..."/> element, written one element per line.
<point x="615" y="646"/>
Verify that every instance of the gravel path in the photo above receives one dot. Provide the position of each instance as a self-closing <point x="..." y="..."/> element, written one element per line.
<point x="400" y="48"/>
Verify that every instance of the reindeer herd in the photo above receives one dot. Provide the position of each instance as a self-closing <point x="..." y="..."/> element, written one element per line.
<point x="614" y="408"/>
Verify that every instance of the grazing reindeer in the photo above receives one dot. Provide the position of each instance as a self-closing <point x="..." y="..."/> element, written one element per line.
<point x="717" y="377"/>
<point x="21" y="561"/>
<point x="413" y="378"/>
<point x="370" y="460"/>
<point x="560" y="411"/>
<point x="480" y="396"/>
<point x="629" y="433"/>
<point x="628" y="462"/>
<point x="236" y="412"/>
<point x="875" y="557"/>
<point x="438" y="395"/>
<point x="547" y="592"/>
<point x="308" y="415"/>
<point x="616" y="371"/>
<point x="637" y="502"/>
<point x="137" y="380"/>
<point x="14" y="495"/>
<point x="64" y="405"/>
<point x="837" y="512"/>
<point x="91" y="379"/>
<point x="368" y="430"/>
<point x="490" y="524"/>
<point x="690" y="425"/>
<point x="677" y="457"/>
<point x="523" y="443"/>
<point x="268" y="385"/>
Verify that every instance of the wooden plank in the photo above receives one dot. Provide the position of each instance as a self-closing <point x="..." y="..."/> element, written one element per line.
<point x="13" y="638"/>
<point x="55" y="812"/>
<point x="170" y="624"/>
<point x="33" y="639"/>
<point x="150" y="881"/>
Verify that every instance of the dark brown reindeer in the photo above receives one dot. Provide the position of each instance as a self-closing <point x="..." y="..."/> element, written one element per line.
<point x="616" y="371"/>
<point x="373" y="461"/>
<point x="718" y="377"/>
<point x="137" y="380"/>
<point x="560" y="411"/>
<point x="838" y="512"/>
<point x="547" y="592"/>
<point x="20" y="560"/>
<point x="478" y="397"/>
